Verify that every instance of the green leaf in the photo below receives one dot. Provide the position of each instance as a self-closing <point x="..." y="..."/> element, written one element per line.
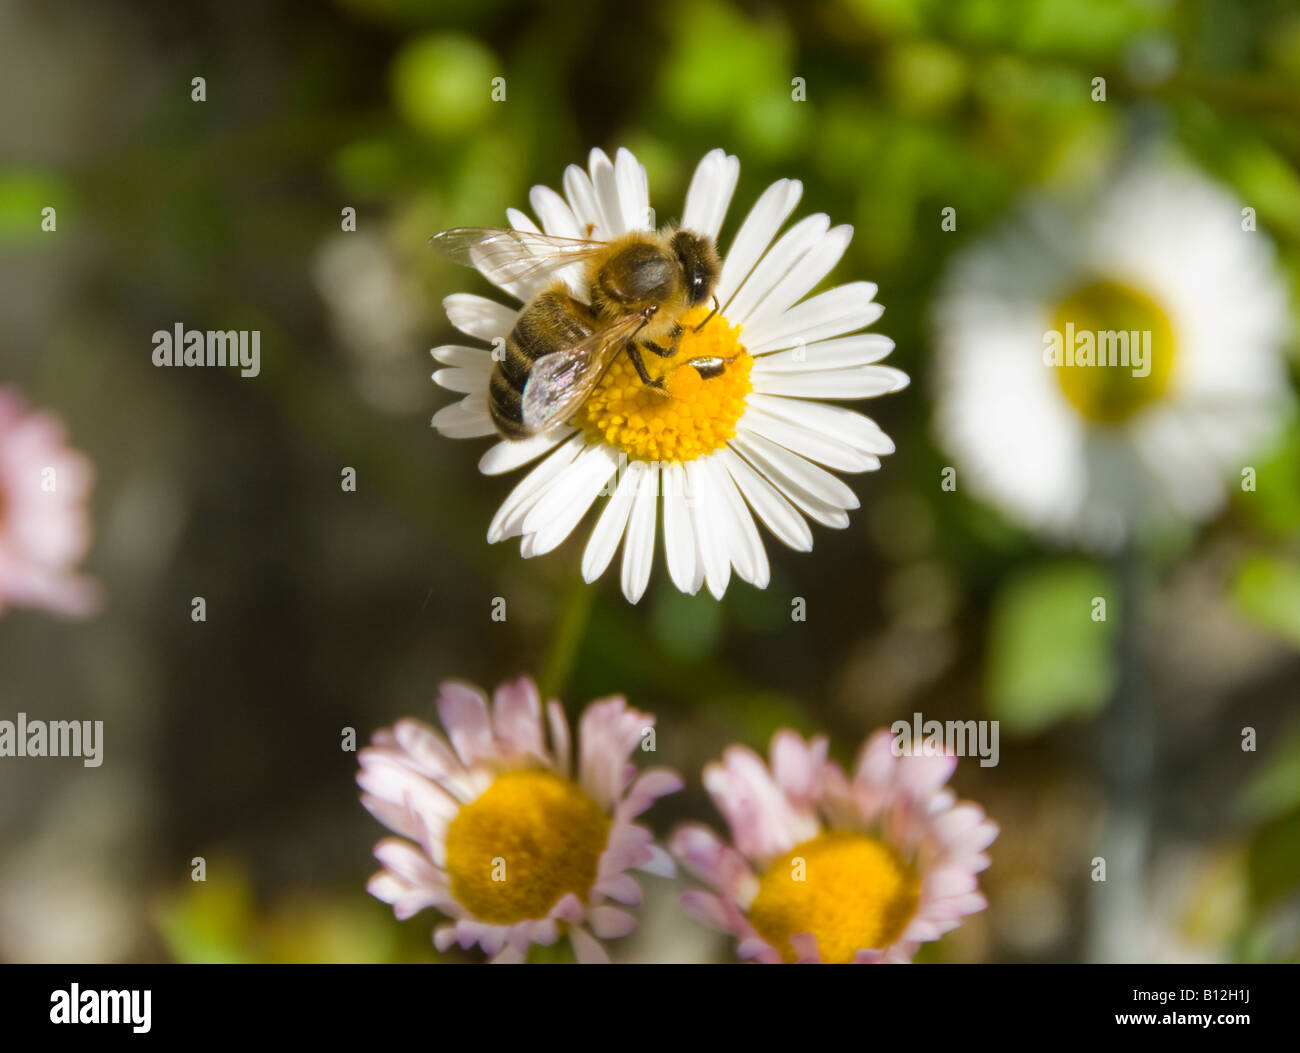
<point x="442" y="83"/>
<point x="210" y="922"/>
<point x="1274" y="860"/>
<point x="1272" y="501"/>
<point x="23" y="194"/>
<point x="1275" y="787"/>
<point x="1048" y="658"/>
<point x="1267" y="591"/>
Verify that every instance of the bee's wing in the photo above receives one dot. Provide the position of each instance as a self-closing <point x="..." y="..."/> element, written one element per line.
<point x="506" y="256"/>
<point x="560" y="382"/>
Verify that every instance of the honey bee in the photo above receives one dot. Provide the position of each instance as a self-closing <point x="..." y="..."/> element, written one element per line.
<point x="640" y="285"/>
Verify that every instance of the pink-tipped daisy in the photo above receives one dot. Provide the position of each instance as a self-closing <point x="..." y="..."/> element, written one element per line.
<point x="497" y="830"/>
<point x="824" y="868"/>
<point x="44" y="526"/>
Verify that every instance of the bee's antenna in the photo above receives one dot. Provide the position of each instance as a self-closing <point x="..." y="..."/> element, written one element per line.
<point x="710" y="318"/>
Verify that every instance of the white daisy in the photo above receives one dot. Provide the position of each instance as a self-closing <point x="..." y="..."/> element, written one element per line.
<point x="719" y="451"/>
<point x="1093" y="453"/>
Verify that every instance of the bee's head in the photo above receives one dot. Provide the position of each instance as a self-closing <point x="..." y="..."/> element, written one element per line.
<point x="700" y="264"/>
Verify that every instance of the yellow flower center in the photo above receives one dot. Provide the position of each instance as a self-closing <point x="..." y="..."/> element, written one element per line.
<point x="528" y="840"/>
<point x="1117" y="351"/>
<point x="849" y="890"/>
<point x="691" y="415"/>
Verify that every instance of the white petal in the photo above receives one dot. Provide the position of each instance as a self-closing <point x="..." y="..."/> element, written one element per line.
<point x="712" y="528"/>
<point x="777" y="514"/>
<point x="568" y="499"/>
<point x="633" y="191"/>
<point x="479" y="317"/>
<point x="804" y="275"/>
<point x="844" y="309"/>
<point x="509" y="519"/>
<point x="639" y="548"/>
<point x="463" y="381"/>
<point x="861" y="350"/>
<point x="864" y="382"/>
<point x="710" y="193"/>
<point x="606" y="184"/>
<point x="838" y="422"/>
<point x="756" y="233"/>
<point x="747" y="553"/>
<point x="781" y="259"/>
<point x="466" y="357"/>
<point x="807" y="442"/>
<point x="815" y="490"/>
<point x="556" y="216"/>
<point x="679" y="530"/>
<point x="609" y="528"/>
<point x="521" y="221"/>
<point x="509" y="454"/>
<point x="583" y="201"/>
<point x="466" y="419"/>
<point x="558" y="219"/>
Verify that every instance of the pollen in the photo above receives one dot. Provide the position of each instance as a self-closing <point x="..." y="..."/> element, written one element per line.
<point x="849" y="890"/>
<point x="691" y="415"/>
<point x="531" y="838"/>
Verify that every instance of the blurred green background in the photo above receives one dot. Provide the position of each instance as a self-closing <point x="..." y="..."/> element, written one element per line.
<point x="329" y="609"/>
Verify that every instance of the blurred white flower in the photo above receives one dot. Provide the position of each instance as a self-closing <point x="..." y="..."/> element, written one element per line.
<point x="1092" y="453"/>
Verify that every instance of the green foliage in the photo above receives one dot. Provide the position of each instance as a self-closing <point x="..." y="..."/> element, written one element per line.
<point x="1274" y="504"/>
<point x="1274" y="860"/>
<point x="1267" y="589"/>
<point x="441" y="83"/>
<point x="23" y="194"/>
<point x="1047" y="658"/>
<point x="1275" y="789"/>
<point x="686" y="627"/>
<point x="219" y="921"/>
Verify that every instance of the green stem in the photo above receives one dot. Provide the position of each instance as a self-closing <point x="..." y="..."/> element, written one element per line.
<point x="566" y="643"/>
<point x="1127" y="766"/>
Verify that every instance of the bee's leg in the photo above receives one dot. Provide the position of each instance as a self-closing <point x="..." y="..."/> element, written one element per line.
<point x="634" y="353"/>
<point x="710" y="318"/>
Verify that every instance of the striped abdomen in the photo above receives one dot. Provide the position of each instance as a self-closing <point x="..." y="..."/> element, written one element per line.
<point x="551" y="322"/>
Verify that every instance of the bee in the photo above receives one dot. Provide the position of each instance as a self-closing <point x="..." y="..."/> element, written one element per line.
<point x="640" y="285"/>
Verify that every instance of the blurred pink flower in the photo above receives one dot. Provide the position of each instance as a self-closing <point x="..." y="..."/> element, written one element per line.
<point x="44" y="525"/>
<point x="821" y="867"/>
<point x="498" y="834"/>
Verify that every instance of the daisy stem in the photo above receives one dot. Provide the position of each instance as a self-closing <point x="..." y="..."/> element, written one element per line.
<point x="1127" y="760"/>
<point x="567" y="641"/>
